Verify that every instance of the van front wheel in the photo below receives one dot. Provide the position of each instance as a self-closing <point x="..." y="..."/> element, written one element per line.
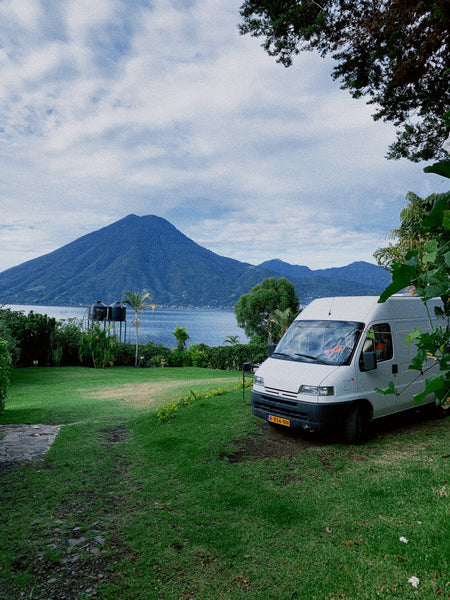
<point x="355" y="425"/>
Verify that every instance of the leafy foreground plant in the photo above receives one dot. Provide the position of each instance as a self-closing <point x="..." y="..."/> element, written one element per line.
<point x="211" y="505"/>
<point x="427" y="270"/>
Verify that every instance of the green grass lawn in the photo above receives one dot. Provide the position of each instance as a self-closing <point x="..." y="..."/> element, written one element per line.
<point x="213" y="503"/>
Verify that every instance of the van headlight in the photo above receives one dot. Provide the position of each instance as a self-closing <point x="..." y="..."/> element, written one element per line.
<point x="316" y="390"/>
<point x="258" y="380"/>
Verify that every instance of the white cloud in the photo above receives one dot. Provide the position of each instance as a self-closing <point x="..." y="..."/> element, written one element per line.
<point x="25" y="13"/>
<point x="114" y="107"/>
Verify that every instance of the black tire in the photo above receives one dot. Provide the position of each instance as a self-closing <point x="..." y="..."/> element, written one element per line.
<point x="440" y="411"/>
<point x="355" y="425"/>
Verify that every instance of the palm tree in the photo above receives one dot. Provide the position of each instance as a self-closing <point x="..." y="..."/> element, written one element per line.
<point x="138" y="302"/>
<point x="282" y="320"/>
<point x="233" y="340"/>
<point x="182" y="336"/>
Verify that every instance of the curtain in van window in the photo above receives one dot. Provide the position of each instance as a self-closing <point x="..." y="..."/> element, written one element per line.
<point x="379" y="341"/>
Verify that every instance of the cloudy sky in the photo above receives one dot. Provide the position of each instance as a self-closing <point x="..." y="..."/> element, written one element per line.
<point x="160" y="107"/>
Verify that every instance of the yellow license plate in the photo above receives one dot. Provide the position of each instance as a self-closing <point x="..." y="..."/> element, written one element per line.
<point x="278" y="420"/>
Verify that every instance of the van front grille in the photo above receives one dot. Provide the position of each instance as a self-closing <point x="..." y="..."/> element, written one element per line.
<point x="281" y="393"/>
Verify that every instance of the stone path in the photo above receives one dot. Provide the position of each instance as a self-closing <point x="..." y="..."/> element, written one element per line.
<point x="19" y="443"/>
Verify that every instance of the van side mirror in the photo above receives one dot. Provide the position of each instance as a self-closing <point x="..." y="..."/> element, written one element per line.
<point x="271" y="349"/>
<point x="369" y="361"/>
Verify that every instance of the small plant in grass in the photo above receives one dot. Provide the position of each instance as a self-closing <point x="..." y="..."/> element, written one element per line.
<point x="168" y="410"/>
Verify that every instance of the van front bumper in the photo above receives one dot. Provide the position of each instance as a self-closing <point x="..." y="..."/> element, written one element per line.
<point x="323" y="416"/>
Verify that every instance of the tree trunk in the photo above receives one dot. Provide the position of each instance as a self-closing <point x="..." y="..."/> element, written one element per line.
<point x="137" y="342"/>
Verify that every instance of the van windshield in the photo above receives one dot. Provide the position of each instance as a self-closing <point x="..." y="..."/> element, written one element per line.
<point x="323" y="342"/>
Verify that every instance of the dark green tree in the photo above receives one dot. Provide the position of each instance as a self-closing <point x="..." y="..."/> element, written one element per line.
<point x="396" y="53"/>
<point x="257" y="311"/>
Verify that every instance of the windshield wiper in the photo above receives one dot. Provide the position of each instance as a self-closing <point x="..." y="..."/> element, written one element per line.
<point x="282" y="354"/>
<point x="315" y="358"/>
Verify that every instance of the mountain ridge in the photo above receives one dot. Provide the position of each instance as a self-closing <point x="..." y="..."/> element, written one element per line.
<point x="148" y="253"/>
<point x="355" y="271"/>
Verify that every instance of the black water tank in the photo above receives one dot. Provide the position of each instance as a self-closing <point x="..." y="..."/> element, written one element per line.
<point x="98" y="311"/>
<point x="117" y="312"/>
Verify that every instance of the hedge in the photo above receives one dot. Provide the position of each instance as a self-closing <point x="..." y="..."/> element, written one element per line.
<point x="5" y="370"/>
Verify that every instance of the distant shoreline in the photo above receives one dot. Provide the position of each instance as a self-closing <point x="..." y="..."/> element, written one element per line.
<point x="210" y="326"/>
<point x="86" y="306"/>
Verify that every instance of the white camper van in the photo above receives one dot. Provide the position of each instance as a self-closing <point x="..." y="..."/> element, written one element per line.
<point x="324" y="371"/>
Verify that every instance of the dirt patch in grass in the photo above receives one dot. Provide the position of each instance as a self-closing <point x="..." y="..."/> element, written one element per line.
<point x="154" y="393"/>
<point x="273" y="442"/>
<point x="278" y="442"/>
<point x="115" y="435"/>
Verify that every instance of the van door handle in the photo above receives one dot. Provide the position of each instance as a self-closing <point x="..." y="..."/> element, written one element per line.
<point x="394" y="369"/>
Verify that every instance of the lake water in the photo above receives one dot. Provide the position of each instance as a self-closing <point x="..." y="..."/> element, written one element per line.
<point x="205" y="326"/>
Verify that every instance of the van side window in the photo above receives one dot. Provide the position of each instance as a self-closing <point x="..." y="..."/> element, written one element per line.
<point x="379" y="340"/>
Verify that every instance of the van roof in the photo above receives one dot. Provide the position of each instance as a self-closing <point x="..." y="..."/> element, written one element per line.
<point x="367" y="308"/>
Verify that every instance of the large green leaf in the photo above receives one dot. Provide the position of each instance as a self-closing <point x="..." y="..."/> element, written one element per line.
<point x="414" y="335"/>
<point x="436" y="385"/>
<point x="389" y="390"/>
<point x="440" y="168"/>
<point x="436" y="216"/>
<point x="431" y="248"/>
<point x="403" y="275"/>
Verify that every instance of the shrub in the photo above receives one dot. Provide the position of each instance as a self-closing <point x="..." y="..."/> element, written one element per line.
<point x="98" y="347"/>
<point x="66" y="344"/>
<point x="179" y="358"/>
<point x="38" y="337"/>
<point x="150" y="354"/>
<point x="199" y="357"/>
<point x="5" y="370"/>
<point x="126" y="355"/>
<point x="219" y="357"/>
<point x="233" y="357"/>
<point x="32" y="335"/>
<point x="7" y="336"/>
<point x="35" y="336"/>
